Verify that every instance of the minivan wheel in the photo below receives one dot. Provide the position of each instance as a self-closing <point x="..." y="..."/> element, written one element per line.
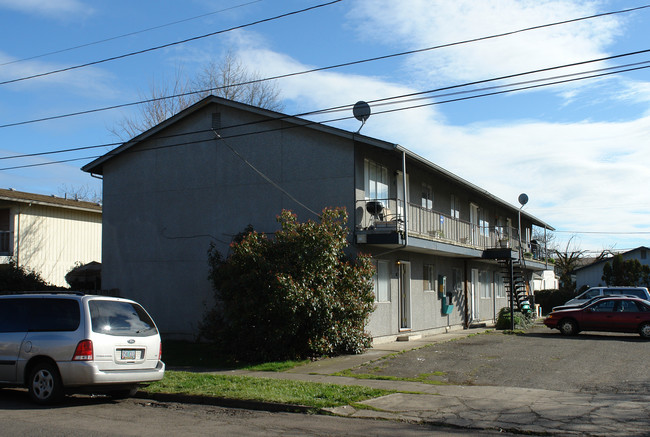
<point x="568" y="327"/>
<point x="644" y="330"/>
<point x="45" y="385"/>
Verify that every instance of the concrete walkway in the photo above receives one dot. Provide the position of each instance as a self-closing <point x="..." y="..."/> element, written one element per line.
<point x="511" y="409"/>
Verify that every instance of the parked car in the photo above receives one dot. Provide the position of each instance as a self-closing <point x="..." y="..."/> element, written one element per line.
<point x="641" y="292"/>
<point x="611" y="314"/>
<point x="53" y="343"/>
<point x="589" y="301"/>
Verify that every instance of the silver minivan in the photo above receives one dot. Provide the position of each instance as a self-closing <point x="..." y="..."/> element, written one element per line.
<point x="53" y="343"/>
<point x="640" y="292"/>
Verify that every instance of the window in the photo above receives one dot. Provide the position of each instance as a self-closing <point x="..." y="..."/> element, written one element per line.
<point x="457" y="285"/>
<point x="120" y="318"/>
<point x="53" y="315"/>
<point x="484" y="282"/>
<point x="427" y="196"/>
<point x="484" y="224"/>
<point x="13" y="315"/>
<point x="643" y="254"/>
<point x="381" y="281"/>
<point x="499" y="285"/>
<point x="455" y="212"/>
<point x="429" y="277"/>
<point x="376" y="179"/>
<point x="604" y="306"/>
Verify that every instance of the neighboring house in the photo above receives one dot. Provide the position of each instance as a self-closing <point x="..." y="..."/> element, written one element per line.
<point x="175" y="189"/>
<point x="591" y="275"/>
<point x="545" y="280"/>
<point x="49" y="234"/>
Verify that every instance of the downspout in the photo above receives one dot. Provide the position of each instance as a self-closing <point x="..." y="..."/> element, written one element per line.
<point x="406" y="214"/>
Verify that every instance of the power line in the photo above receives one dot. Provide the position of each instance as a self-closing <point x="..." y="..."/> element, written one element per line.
<point x="287" y="75"/>
<point x="151" y="49"/>
<point x="308" y="123"/>
<point x="127" y="34"/>
<point x="341" y="65"/>
<point x="379" y="102"/>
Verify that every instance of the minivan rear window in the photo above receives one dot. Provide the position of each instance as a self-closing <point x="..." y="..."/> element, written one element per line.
<point x="120" y="318"/>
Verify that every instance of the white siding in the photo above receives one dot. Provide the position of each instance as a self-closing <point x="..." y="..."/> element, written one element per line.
<point x="51" y="240"/>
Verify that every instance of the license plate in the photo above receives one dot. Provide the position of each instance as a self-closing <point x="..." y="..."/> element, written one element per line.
<point x="128" y="354"/>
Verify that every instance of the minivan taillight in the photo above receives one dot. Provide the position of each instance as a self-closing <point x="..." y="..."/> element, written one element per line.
<point x="84" y="351"/>
<point x="160" y="352"/>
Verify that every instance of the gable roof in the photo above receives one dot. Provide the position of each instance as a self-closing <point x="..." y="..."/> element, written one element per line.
<point x="96" y="166"/>
<point x="11" y="195"/>
<point x="609" y="259"/>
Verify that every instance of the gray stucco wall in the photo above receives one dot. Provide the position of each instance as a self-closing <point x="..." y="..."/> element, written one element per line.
<point x="165" y="206"/>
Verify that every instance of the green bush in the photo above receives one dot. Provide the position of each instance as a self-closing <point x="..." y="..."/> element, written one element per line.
<point x="18" y="278"/>
<point x="294" y="296"/>
<point x="522" y="321"/>
<point x="552" y="298"/>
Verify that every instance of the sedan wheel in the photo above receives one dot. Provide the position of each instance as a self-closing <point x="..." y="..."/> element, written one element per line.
<point x="568" y="327"/>
<point x="645" y="330"/>
<point x="45" y="384"/>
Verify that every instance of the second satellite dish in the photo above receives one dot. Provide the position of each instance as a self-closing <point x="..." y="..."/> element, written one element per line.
<point x="361" y="112"/>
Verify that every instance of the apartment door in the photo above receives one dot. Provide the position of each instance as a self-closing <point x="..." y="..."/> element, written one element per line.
<point x="474" y="296"/>
<point x="473" y="220"/>
<point x="402" y="194"/>
<point x="404" y="295"/>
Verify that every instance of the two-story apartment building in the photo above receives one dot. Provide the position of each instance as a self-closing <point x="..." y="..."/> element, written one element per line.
<point x="49" y="234"/>
<point x="446" y="251"/>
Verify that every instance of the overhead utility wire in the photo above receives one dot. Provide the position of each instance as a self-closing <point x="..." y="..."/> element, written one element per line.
<point x="346" y="64"/>
<point x="340" y="65"/>
<point x="310" y="123"/>
<point x="379" y="102"/>
<point x="151" y="49"/>
<point x="127" y="34"/>
<point x="124" y="105"/>
<point x="382" y="102"/>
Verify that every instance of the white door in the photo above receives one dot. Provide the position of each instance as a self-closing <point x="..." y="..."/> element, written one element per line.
<point x="474" y="296"/>
<point x="404" y="295"/>
<point x="473" y="220"/>
<point x="402" y="195"/>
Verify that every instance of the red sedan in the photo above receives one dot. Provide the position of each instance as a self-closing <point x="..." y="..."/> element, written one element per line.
<point x="611" y="314"/>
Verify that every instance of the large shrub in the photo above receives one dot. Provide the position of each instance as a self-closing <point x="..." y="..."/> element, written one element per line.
<point x="18" y="278"/>
<point x="294" y="296"/>
<point x="548" y="299"/>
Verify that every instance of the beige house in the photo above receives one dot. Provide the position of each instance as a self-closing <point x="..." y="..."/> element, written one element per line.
<point x="48" y="234"/>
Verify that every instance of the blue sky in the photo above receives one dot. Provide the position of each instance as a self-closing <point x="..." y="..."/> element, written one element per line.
<point x="580" y="150"/>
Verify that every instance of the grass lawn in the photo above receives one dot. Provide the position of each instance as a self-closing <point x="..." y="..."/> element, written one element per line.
<point x="310" y="394"/>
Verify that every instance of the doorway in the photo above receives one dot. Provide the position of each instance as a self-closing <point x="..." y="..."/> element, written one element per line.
<point x="404" y="295"/>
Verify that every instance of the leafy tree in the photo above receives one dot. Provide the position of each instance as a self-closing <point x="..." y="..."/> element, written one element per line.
<point x="294" y="296"/>
<point x="625" y="272"/>
<point x="228" y="78"/>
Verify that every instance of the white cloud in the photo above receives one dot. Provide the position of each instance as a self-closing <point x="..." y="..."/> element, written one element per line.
<point x="89" y="81"/>
<point x="56" y="8"/>
<point x="432" y="23"/>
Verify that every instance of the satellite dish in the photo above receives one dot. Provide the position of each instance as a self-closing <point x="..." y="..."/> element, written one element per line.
<point x="361" y="112"/>
<point x="523" y="199"/>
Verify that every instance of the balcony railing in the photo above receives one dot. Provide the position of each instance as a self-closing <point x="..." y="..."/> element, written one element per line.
<point x="388" y="214"/>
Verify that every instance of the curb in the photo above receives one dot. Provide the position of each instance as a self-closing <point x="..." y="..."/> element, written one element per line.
<point x="272" y="407"/>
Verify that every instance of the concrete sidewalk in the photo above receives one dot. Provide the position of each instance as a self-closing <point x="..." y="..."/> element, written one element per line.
<point x="518" y="410"/>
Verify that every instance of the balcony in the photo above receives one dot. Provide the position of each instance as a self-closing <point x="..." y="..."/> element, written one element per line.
<point x="382" y="221"/>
